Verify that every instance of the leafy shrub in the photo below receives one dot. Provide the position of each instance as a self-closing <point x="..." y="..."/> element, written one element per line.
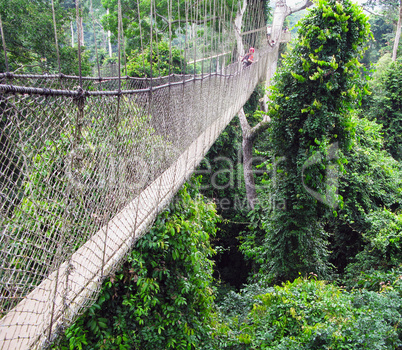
<point x="233" y="311"/>
<point x="382" y="248"/>
<point x="162" y="298"/>
<point x="163" y="62"/>
<point x="377" y="280"/>
<point x="310" y="314"/>
<point x="370" y="187"/>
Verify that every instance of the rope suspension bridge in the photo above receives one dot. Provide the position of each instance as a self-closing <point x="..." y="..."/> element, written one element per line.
<point x="87" y="162"/>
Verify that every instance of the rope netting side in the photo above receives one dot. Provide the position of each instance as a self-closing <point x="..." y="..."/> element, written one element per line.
<point x="87" y="163"/>
<point x="115" y="171"/>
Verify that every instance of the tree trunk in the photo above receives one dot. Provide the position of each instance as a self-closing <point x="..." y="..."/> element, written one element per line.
<point x="238" y="24"/>
<point x="249" y="134"/>
<point x="398" y="33"/>
<point x="109" y="43"/>
<point x="72" y="34"/>
<point x="247" y="146"/>
<point x="249" y="181"/>
<point x="108" y="38"/>
<point x="82" y="31"/>
<point x="281" y="12"/>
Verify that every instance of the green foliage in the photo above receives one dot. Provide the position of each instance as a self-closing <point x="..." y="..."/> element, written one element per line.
<point x="137" y="21"/>
<point x="162" y="297"/>
<point x="376" y="280"/>
<point x="386" y="105"/>
<point x="384" y="236"/>
<point x="384" y="19"/>
<point x="69" y="61"/>
<point x="164" y="62"/>
<point x="315" y="89"/>
<point x="234" y="309"/>
<point x="324" y="316"/>
<point x="370" y="188"/>
<point x="377" y="80"/>
<point x="30" y="41"/>
<point x="368" y="224"/>
<point x="382" y="247"/>
<point x="310" y="314"/>
<point x="383" y="33"/>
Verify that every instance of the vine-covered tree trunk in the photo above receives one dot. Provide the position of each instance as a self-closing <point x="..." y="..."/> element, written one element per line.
<point x="282" y="10"/>
<point x="311" y="127"/>
<point x="249" y="134"/>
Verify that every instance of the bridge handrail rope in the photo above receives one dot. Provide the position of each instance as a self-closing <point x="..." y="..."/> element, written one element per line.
<point x="88" y="162"/>
<point x="159" y="81"/>
<point x="81" y="92"/>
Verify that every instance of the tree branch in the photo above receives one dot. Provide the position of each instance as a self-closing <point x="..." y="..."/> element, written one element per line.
<point x="260" y="127"/>
<point x="300" y="6"/>
<point x="372" y="13"/>
<point x="251" y="132"/>
<point x="247" y="147"/>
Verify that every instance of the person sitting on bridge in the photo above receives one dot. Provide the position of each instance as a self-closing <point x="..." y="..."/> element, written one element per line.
<point x="248" y="58"/>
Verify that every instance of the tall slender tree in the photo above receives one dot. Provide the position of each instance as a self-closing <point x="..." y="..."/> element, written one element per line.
<point x="397" y="33"/>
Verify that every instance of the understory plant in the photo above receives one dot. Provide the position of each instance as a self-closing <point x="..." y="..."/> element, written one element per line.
<point x="312" y="314"/>
<point x="162" y="297"/>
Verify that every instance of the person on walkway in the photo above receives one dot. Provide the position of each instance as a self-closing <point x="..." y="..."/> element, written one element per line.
<point x="248" y="58"/>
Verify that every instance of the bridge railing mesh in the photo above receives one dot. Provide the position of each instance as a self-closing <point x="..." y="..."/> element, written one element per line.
<point x="84" y="172"/>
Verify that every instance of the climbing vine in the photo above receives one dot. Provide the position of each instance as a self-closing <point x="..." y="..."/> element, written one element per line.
<point x="311" y="128"/>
